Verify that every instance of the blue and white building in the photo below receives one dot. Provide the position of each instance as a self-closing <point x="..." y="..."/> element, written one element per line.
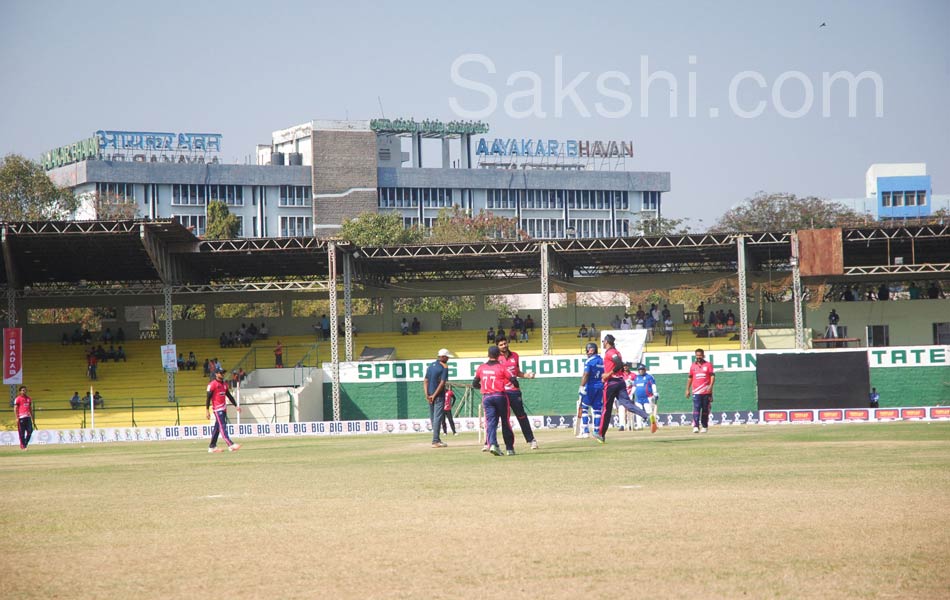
<point x="898" y="191"/>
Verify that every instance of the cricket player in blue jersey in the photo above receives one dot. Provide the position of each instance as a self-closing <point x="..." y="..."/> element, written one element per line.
<point x="645" y="395"/>
<point x="591" y="391"/>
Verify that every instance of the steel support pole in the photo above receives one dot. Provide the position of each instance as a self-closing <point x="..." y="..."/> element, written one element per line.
<point x="348" y="305"/>
<point x="545" y="301"/>
<point x="11" y="322"/>
<point x="334" y="333"/>
<point x="797" y="296"/>
<point x="169" y="337"/>
<point x="743" y="294"/>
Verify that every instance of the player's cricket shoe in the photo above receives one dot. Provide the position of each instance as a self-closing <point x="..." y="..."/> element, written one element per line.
<point x="534" y="445"/>
<point x="214" y="450"/>
<point x="495" y="450"/>
<point x="600" y="439"/>
<point x="234" y="447"/>
<point x="695" y="429"/>
<point x="702" y="430"/>
<point x="509" y="452"/>
<point x="652" y="424"/>
<point x="582" y="436"/>
<point x="439" y="444"/>
<point x="485" y="448"/>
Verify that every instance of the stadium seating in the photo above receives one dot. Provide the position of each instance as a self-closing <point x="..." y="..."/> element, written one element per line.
<point x="53" y="372"/>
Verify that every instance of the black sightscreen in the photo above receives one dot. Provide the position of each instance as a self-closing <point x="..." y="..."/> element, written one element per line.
<point x="813" y="380"/>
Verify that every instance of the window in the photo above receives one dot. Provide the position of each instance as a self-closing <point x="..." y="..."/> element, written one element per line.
<point x="295" y="195"/>
<point x="232" y="195"/>
<point x="123" y="192"/>
<point x="296" y="227"/>
<point x="240" y="229"/>
<point x="885" y="198"/>
<point x="194" y="222"/>
<point x="651" y="200"/>
<point x="898" y="198"/>
<point x="188" y="195"/>
<point x="921" y="198"/>
<point x="878" y="335"/>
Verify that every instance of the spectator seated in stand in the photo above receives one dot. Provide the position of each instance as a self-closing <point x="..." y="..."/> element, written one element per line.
<point x="65" y="339"/>
<point x="100" y="352"/>
<point x="106" y="336"/>
<point x="404" y="326"/>
<point x="416" y="326"/>
<point x="490" y="336"/>
<point x="206" y="368"/>
<point x="111" y="353"/>
<point x="934" y="292"/>
<point x="615" y="323"/>
<point x="75" y="402"/>
<point x="76" y="337"/>
<point x="223" y="340"/>
<point x="513" y="334"/>
<point x="119" y="336"/>
<point x="86" y="337"/>
<point x="529" y="323"/>
<point x="99" y="402"/>
<point x="582" y="332"/>
<point x="262" y="333"/>
<point x="192" y="363"/>
<point x="120" y="355"/>
<point x="181" y="361"/>
<point x="592" y="333"/>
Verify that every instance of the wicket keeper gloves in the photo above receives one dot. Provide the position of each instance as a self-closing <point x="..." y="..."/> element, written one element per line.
<point x="582" y="390"/>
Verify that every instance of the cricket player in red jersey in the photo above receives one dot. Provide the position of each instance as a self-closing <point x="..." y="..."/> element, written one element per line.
<point x="218" y="395"/>
<point x="700" y="383"/>
<point x="615" y="388"/>
<point x="492" y="379"/>
<point x="512" y="362"/>
<point x="23" y="406"/>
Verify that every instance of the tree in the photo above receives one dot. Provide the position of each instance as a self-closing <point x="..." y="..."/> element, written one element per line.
<point x="377" y="229"/>
<point x="664" y="226"/>
<point x="112" y="207"/>
<point x="454" y="225"/>
<point x="28" y="194"/>
<point x="222" y="225"/>
<point x="784" y="212"/>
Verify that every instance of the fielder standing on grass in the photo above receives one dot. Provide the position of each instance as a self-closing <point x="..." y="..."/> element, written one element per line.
<point x="615" y="388"/>
<point x="700" y="383"/>
<point x="437" y="377"/>
<point x="512" y="362"/>
<point x="492" y="378"/>
<point x="645" y="394"/>
<point x="591" y="391"/>
<point x="218" y="395"/>
<point x="23" y="406"/>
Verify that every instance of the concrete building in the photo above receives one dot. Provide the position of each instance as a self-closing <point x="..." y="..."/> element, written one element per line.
<point x="898" y="191"/>
<point x="313" y="176"/>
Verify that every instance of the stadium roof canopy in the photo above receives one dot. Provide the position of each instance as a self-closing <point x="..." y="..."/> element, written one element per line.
<point x="86" y="253"/>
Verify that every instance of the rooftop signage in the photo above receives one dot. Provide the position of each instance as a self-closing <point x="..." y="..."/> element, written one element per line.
<point x="132" y="143"/>
<point x="430" y="127"/>
<point x="530" y="148"/>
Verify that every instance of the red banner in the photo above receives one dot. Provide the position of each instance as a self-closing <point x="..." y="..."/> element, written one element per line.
<point x="13" y="355"/>
<point x="913" y="413"/>
<point x="940" y="412"/>
<point x="887" y="413"/>
<point x="857" y="414"/>
<point x="801" y="416"/>
<point x="830" y="415"/>
<point x="774" y="416"/>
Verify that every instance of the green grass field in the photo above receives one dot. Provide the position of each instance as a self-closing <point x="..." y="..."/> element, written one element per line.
<point x="834" y="511"/>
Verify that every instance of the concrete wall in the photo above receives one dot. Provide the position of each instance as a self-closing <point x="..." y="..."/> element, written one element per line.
<point x="910" y="322"/>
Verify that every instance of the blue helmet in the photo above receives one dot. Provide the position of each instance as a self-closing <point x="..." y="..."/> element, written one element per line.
<point x="591" y="347"/>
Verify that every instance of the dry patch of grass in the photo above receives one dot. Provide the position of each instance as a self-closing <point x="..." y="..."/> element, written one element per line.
<point x="796" y="511"/>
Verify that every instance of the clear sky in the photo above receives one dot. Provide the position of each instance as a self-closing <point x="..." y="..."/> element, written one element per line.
<point x="244" y="69"/>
